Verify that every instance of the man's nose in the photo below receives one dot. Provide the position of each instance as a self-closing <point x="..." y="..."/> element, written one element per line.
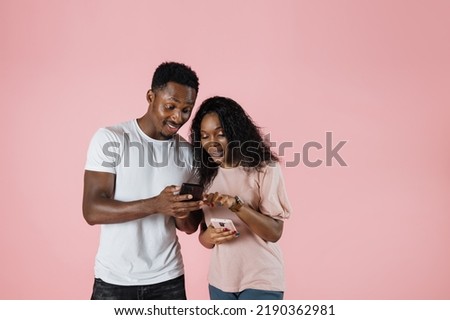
<point x="176" y="117"/>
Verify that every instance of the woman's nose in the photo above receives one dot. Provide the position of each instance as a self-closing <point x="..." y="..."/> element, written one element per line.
<point x="212" y="140"/>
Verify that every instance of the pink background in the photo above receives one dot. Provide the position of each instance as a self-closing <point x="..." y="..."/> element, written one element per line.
<point x="375" y="73"/>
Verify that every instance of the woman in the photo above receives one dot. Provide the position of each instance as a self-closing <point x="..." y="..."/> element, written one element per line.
<point x="244" y="183"/>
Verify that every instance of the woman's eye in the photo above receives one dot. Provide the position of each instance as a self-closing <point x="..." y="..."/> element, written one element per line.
<point x="203" y="137"/>
<point x="170" y="107"/>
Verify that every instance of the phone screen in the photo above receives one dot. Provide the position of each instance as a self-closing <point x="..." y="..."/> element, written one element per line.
<point x="195" y="190"/>
<point x="223" y="223"/>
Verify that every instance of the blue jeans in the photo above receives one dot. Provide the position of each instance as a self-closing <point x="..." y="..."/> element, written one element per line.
<point x="168" y="290"/>
<point x="247" y="294"/>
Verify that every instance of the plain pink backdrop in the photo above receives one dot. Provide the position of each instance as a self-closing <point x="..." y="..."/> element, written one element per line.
<point x="375" y="73"/>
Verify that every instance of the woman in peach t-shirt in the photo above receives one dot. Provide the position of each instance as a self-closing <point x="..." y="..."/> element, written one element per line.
<point x="244" y="183"/>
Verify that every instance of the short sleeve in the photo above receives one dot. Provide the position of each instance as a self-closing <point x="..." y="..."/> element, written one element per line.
<point x="185" y="150"/>
<point x="274" y="201"/>
<point x="104" y="152"/>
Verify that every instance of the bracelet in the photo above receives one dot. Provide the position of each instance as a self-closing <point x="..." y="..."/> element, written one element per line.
<point x="237" y="205"/>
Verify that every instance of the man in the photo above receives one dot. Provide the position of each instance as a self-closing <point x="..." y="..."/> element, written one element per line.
<point x="131" y="183"/>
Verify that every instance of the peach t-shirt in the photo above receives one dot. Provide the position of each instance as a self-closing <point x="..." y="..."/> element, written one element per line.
<point x="248" y="262"/>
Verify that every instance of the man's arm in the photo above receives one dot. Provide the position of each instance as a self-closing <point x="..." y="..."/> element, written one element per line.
<point x="190" y="223"/>
<point x="99" y="207"/>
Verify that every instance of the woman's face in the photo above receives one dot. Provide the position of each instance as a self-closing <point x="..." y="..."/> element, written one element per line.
<point x="213" y="139"/>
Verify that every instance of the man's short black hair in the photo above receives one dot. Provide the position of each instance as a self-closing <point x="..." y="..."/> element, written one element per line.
<point x="174" y="72"/>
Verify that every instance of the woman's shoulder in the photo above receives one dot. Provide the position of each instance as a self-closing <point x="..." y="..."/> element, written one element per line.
<point x="272" y="167"/>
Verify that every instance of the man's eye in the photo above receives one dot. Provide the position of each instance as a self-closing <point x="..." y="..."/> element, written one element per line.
<point x="187" y="110"/>
<point x="170" y="107"/>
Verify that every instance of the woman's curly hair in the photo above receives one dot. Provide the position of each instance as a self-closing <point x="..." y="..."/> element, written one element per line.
<point x="245" y="143"/>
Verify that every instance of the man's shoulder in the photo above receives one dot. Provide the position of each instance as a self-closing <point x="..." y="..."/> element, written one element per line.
<point x="182" y="142"/>
<point x="183" y="148"/>
<point x="121" y="127"/>
<point x="116" y="131"/>
<point x="181" y="139"/>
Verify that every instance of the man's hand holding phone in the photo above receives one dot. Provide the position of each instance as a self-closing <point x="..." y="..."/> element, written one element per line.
<point x="171" y="202"/>
<point x="193" y="189"/>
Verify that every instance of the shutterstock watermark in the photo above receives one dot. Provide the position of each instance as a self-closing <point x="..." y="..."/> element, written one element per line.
<point x="331" y="152"/>
<point x="134" y="153"/>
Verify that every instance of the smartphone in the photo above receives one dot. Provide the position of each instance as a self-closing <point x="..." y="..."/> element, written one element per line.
<point x="223" y="223"/>
<point x="196" y="190"/>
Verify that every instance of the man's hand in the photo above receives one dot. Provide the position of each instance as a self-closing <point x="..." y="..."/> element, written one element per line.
<point x="171" y="203"/>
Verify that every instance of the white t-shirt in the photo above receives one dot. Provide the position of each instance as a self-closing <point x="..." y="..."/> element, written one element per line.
<point x="143" y="251"/>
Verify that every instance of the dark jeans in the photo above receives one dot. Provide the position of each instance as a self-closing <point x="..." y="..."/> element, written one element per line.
<point x="168" y="290"/>
<point x="247" y="294"/>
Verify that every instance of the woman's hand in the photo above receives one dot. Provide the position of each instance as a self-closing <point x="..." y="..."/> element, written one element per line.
<point x="211" y="236"/>
<point x="266" y="227"/>
<point x="219" y="200"/>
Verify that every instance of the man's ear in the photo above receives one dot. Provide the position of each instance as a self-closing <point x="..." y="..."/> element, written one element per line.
<point x="150" y="96"/>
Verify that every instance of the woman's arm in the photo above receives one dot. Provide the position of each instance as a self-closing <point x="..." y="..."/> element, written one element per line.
<point x="268" y="228"/>
<point x="210" y="236"/>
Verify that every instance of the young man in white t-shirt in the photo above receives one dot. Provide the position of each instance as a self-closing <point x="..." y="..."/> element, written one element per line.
<point x="131" y="183"/>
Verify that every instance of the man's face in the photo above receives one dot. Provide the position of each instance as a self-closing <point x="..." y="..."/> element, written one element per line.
<point x="170" y="108"/>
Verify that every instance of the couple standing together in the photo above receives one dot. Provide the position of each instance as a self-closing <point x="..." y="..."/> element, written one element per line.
<point x="132" y="180"/>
